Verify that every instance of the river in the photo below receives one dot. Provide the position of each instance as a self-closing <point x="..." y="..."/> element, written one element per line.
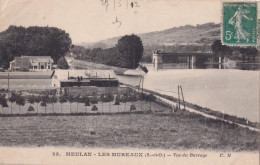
<point x="235" y="92"/>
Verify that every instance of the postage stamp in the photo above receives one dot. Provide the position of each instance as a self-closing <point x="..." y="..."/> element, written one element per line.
<point x="239" y="26"/>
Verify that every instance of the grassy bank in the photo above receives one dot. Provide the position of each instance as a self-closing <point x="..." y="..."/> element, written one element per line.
<point x="80" y="64"/>
<point x="150" y="130"/>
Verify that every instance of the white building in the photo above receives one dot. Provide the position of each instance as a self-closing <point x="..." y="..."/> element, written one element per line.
<point x="31" y="63"/>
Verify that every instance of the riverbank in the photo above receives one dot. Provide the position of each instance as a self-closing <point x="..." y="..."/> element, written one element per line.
<point x="80" y="64"/>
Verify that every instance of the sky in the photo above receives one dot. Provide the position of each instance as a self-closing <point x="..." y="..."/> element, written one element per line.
<point x="90" y="20"/>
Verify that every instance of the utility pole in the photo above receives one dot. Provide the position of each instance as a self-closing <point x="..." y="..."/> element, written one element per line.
<point x="8" y="85"/>
<point x="179" y="97"/>
<point x="142" y="84"/>
<point x="182" y="96"/>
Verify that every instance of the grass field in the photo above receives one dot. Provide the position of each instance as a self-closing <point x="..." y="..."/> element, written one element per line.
<point x="182" y="130"/>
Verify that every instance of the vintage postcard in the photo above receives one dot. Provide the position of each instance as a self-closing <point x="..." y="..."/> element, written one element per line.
<point x="129" y="82"/>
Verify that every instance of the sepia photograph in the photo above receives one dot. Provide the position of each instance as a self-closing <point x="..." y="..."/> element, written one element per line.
<point x="129" y="81"/>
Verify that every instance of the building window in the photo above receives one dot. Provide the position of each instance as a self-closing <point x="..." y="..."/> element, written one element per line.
<point x="34" y="67"/>
<point x="42" y="66"/>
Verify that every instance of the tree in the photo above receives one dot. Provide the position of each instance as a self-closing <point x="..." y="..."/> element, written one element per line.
<point x="31" y="99"/>
<point x="53" y="99"/>
<point x="20" y="101"/>
<point x="45" y="100"/>
<point x="3" y="101"/>
<point x="220" y="50"/>
<point x="117" y="101"/>
<point x="77" y="99"/>
<point x="86" y="101"/>
<point x="151" y="98"/>
<point x="12" y="99"/>
<point x="94" y="100"/>
<point x="71" y="100"/>
<point x="102" y="99"/>
<point x="248" y="51"/>
<point x="62" y="99"/>
<point x="132" y="107"/>
<point x="62" y="63"/>
<point x="110" y="98"/>
<point x="124" y="98"/>
<point x="33" y="41"/>
<point x="130" y="48"/>
<point x="37" y="99"/>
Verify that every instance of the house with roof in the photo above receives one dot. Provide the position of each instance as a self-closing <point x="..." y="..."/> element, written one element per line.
<point x="98" y="78"/>
<point x="31" y="63"/>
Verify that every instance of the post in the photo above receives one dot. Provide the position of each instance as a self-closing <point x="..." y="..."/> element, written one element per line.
<point x="179" y="98"/>
<point x="8" y="85"/>
<point x="189" y="62"/>
<point x="158" y="61"/>
<point x="142" y="84"/>
<point x="219" y="62"/>
<point x="182" y="96"/>
<point x="193" y="61"/>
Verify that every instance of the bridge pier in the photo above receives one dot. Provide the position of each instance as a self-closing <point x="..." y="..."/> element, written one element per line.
<point x="221" y="62"/>
<point x="157" y="61"/>
<point x="191" y="61"/>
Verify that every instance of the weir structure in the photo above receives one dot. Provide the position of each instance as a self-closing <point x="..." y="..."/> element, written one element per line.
<point x="189" y="59"/>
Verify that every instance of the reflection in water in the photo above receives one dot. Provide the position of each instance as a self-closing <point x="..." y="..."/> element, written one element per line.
<point x="229" y="65"/>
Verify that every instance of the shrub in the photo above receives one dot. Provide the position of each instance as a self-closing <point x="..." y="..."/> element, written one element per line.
<point x="3" y="101"/>
<point x="110" y="97"/>
<point x="117" y="100"/>
<point x="124" y="98"/>
<point x="94" y="108"/>
<point x="132" y="107"/>
<point x="86" y="101"/>
<point x="94" y="100"/>
<point x="43" y="104"/>
<point x="30" y="108"/>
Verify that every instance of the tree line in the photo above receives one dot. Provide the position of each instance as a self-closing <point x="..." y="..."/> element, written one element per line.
<point x="32" y="41"/>
<point x="235" y="53"/>
<point x="127" y="53"/>
<point x="50" y="99"/>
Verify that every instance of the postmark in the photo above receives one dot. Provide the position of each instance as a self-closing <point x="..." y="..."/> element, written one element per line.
<point x="239" y="24"/>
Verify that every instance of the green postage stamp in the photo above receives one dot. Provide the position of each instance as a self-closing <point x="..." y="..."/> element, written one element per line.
<point x="239" y="26"/>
